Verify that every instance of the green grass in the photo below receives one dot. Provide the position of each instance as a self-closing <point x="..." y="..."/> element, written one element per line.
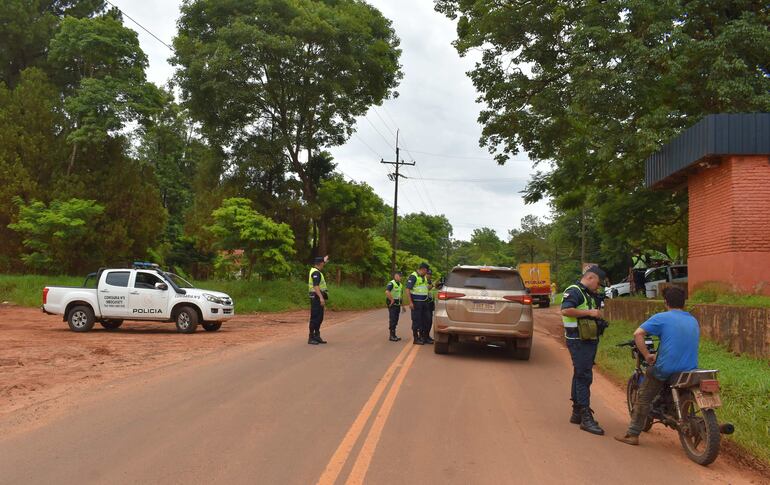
<point x="716" y="297"/>
<point x="249" y="296"/>
<point x="745" y="385"/>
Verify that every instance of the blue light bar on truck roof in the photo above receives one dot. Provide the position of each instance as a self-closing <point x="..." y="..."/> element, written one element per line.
<point x="145" y="265"/>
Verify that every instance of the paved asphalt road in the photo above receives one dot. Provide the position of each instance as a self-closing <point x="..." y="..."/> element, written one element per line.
<point x="358" y="410"/>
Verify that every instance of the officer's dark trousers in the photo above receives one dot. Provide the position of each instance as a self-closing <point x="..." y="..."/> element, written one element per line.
<point x="583" y="353"/>
<point x="316" y="314"/>
<point x="429" y="319"/>
<point x="420" y="317"/>
<point x="394" y="312"/>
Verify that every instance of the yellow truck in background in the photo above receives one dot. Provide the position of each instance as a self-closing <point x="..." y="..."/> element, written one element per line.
<point x="537" y="279"/>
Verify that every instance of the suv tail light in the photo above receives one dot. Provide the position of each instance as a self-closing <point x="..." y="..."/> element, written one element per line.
<point x="449" y="295"/>
<point x="523" y="299"/>
<point x="45" y="296"/>
<point x="709" y="385"/>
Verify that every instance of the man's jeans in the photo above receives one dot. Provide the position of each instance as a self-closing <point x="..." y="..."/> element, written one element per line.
<point x="648" y="391"/>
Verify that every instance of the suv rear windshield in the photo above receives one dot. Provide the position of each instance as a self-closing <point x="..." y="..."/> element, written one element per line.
<point x="485" y="280"/>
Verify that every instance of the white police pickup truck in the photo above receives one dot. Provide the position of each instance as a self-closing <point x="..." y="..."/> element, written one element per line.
<point x="143" y="292"/>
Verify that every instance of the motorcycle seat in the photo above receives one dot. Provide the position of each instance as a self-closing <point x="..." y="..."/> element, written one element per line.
<point x="691" y="378"/>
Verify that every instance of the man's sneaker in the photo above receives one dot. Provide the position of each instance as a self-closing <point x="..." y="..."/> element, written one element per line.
<point x="428" y="340"/>
<point x="311" y="340"/>
<point x="629" y="439"/>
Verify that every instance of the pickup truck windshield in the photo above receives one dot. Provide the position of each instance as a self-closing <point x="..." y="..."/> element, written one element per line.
<point x="179" y="281"/>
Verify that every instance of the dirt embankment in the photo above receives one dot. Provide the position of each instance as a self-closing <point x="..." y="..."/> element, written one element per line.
<point x="41" y="359"/>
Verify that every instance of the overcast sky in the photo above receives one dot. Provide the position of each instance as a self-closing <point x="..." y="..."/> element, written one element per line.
<point x="436" y="113"/>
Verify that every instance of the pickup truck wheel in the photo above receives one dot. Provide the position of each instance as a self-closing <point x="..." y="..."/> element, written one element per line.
<point x="212" y="326"/>
<point x="186" y="320"/>
<point x="81" y="319"/>
<point x="111" y="324"/>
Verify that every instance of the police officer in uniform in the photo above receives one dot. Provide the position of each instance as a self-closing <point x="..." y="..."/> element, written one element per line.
<point x="582" y="327"/>
<point x="417" y="297"/>
<point x="318" y="293"/>
<point x="393" y="293"/>
<point x="431" y="308"/>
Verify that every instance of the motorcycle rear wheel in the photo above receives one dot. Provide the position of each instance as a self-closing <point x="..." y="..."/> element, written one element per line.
<point x="699" y="436"/>
<point x="632" y="394"/>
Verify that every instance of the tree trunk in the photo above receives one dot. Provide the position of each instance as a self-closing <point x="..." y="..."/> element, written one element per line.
<point x="72" y="158"/>
<point x="323" y="237"/>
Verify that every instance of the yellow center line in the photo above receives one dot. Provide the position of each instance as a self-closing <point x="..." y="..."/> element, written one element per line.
<point x="361" y="466"/>
<point x="334" y="467"/>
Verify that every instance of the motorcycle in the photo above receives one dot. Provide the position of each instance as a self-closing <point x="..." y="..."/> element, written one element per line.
<point x="687" y="403"/>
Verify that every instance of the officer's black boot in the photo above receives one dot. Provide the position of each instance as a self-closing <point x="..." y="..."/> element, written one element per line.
<point x="577" y="413"/>
<point x="393" y="336"/>
<point x="417" y="338"/>
<point x="318" y="337"/>
<point x="588" y="423"/>
<point x="311" y="338"/>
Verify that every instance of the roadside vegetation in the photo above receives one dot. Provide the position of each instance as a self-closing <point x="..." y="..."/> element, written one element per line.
<point x="249" y="296"/>
<point x="717" y="296"/>
<point x="745" y="385"/>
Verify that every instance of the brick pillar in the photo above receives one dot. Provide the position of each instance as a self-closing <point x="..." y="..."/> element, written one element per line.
<point x="729" y="225"/>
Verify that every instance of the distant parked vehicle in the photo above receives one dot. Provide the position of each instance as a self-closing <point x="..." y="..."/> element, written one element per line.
<point x="653" y="277"/>
<point x="537" y="279"/>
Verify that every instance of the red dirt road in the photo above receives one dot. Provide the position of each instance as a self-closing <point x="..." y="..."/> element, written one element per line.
<point x="41" y="359"/>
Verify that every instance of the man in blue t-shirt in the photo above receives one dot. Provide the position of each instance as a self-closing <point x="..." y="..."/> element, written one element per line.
<point x="679" y="334"/>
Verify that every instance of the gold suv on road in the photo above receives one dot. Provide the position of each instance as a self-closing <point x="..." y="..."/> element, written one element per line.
<point x="486" y="304"/>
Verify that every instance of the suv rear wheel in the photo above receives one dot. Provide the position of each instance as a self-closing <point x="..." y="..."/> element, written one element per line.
<point x="518" y="349"/>
<point x="440" y="347"/>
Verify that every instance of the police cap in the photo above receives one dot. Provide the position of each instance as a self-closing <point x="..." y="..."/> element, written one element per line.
<point x="597" y="271"/>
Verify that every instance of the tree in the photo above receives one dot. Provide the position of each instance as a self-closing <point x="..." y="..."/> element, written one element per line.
<point x="350" y="211"/>
<point x="101" y="69"/>
<point x="596" y="87"/>
<point x="291" y="73"/>
<point x="426" y="235"/>
<point x="265" y="243"/>
<point x="29" y="152"/>
<point x="59" y="236"/>
<point x="530" y="242"/>
<point x="26" y="29"/>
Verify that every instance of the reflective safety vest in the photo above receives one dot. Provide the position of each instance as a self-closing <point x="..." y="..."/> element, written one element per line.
<point x="572" y="322"/>
<point x="396" y="291"/>
<point x="310" y="284"/>
<point x="420" y="288"/>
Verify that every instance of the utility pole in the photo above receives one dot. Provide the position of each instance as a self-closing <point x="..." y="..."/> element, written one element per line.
<point x="394" y="177"/>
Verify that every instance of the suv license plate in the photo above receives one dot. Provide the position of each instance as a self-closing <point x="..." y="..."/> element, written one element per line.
<point x="484" y="307"/>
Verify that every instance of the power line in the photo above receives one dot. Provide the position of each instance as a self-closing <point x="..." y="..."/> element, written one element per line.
<point x="140" y="25"/>
<point x="383" y="122"/>
<point x="461" y="157"/>
<point x="378" y="131"/>
<point x="463" y="180"/>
